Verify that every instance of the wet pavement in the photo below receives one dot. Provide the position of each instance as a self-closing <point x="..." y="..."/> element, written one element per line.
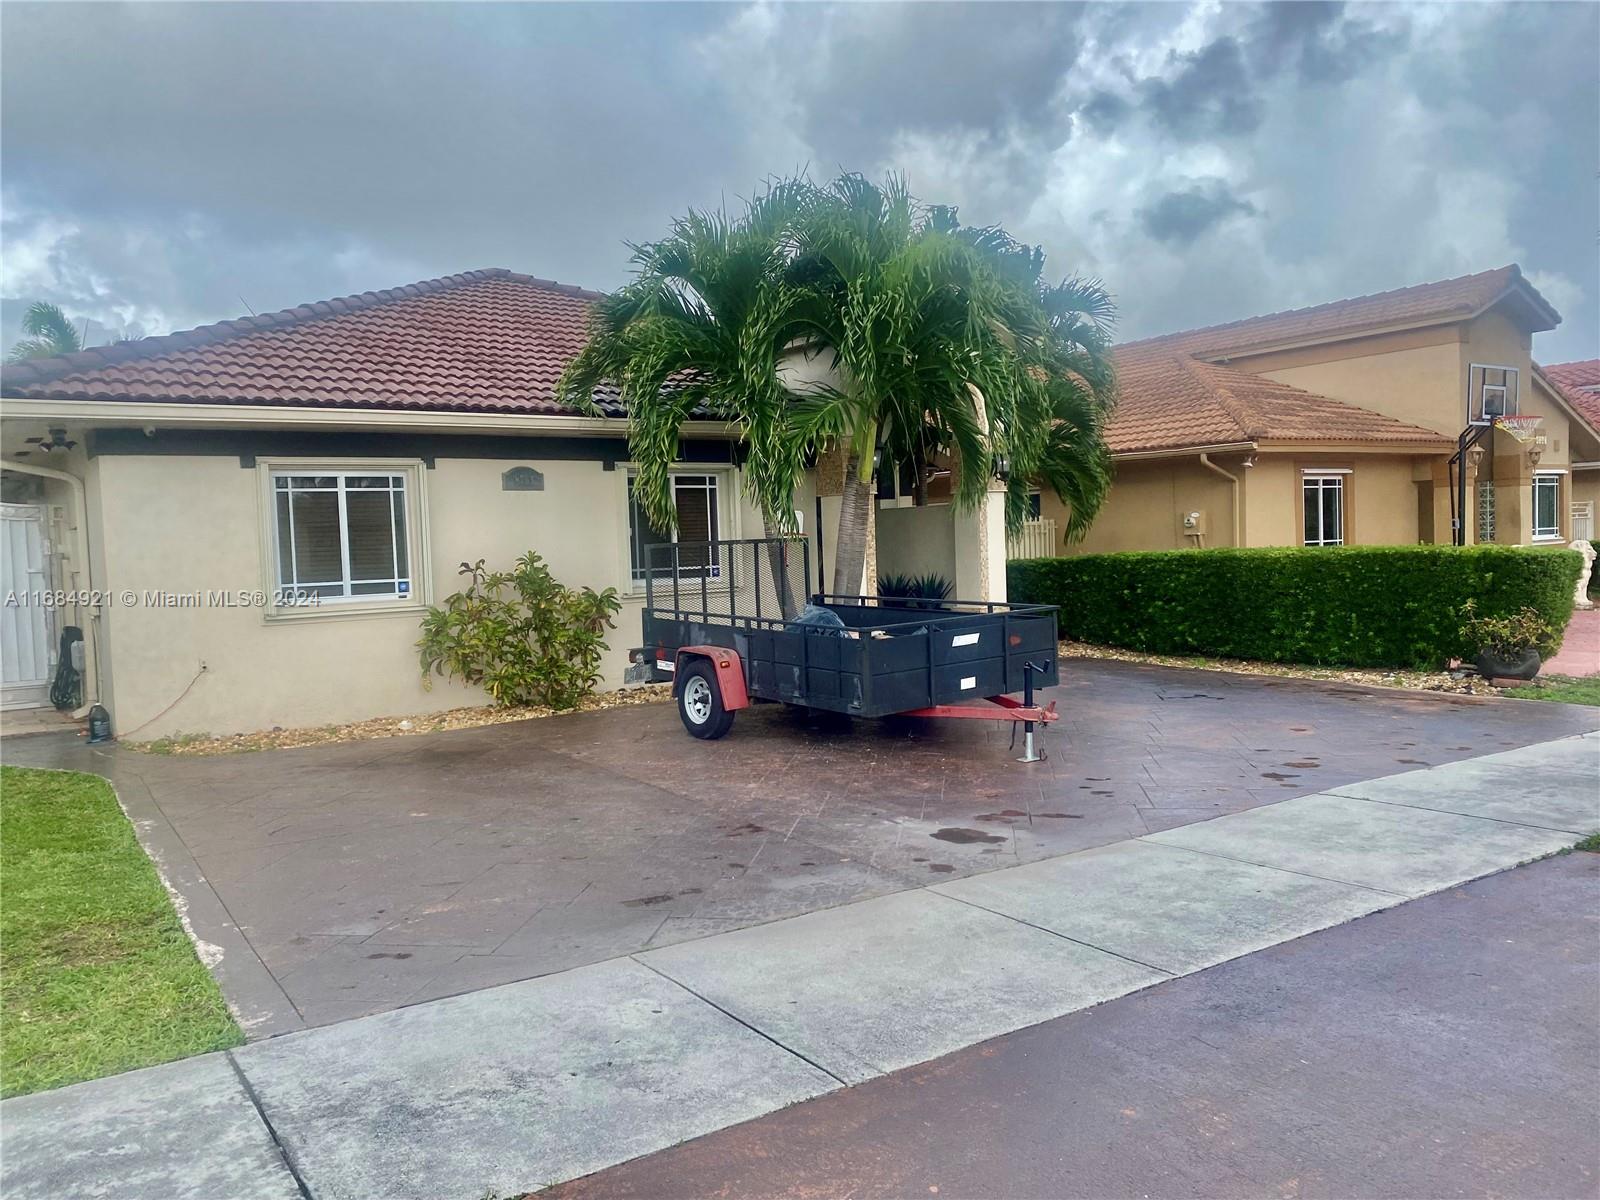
<point x="1447" y="1047"/>
<point x="336" y="881"/>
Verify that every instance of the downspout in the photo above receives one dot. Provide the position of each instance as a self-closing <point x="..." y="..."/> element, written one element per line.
<point x="80" y="571"/>
<point x="1238" y="513"/>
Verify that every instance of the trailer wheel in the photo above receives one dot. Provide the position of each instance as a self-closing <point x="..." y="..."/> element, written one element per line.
<point x="700" y="702"/>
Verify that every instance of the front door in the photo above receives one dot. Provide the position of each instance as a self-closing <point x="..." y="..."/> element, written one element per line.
<point x="25" y="625"/>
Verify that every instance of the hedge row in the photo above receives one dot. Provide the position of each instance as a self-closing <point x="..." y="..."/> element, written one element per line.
<point x="1359" y="606"/>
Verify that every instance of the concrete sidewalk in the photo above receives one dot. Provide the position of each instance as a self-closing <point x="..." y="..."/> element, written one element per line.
<point x="533" y="1083"/>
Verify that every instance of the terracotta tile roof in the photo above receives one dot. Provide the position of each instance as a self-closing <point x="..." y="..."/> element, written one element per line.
<point x="1170" y="401"/>
<point x="484" y="341"/>
<point x="1448" y="299"/>
<point x="1173" y="394"/>
<point x="1579" y="384"/>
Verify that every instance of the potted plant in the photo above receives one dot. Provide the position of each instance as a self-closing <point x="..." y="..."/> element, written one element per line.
<point x="1505" y="647"/>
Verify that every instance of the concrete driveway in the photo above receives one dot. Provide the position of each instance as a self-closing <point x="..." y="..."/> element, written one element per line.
<point x="336" y="881"/>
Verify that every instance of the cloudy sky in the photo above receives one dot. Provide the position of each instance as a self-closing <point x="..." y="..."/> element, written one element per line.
<point x="168" y="165"/>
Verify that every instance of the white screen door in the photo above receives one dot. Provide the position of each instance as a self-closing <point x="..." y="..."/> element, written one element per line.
<point x="1583" y="520"/>
<point x="24" y="625"/>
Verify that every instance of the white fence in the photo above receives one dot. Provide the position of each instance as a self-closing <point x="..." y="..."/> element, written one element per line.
<point x="1036" y="539"/>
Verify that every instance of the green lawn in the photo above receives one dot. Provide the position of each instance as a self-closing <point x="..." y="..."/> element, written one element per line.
<point x="1564" y="689"/>
<point x="96" y="973"/>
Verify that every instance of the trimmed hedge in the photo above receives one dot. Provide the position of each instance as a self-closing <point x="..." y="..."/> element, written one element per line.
<point x="1358" y="606"/>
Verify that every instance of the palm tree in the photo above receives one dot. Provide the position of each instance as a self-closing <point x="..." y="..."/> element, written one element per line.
<point x="49" y="333"/>
<point x="700" y="329"/>
<point x="943" y="338"/>
<point x="947" y="341"/>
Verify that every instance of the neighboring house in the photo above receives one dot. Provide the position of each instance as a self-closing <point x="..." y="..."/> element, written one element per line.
<point x="1337" y="425"/>
<point x="1579" y="384"/>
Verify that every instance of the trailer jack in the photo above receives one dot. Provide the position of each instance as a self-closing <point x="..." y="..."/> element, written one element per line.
<point x="1005" y="709"/>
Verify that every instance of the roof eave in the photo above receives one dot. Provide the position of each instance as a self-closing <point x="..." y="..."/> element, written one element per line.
<point x="190" y="415"/>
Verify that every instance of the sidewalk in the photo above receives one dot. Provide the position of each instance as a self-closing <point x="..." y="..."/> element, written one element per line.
<point x="526" y="1085"/>
<point x="1580" y="649"/>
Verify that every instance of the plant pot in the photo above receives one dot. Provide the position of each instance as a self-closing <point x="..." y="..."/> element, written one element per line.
<point x="1493" y="665"/>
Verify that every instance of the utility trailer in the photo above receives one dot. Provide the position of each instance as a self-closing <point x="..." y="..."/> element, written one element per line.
<point x="730" y="623"/>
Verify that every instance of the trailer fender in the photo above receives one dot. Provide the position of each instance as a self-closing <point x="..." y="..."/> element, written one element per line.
<point x="729" y="671"/>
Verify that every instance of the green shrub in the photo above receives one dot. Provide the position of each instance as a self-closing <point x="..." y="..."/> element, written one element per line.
<point x="931" y="586"/>
<point x="1507" y="636"/>
<point x="520" y="635"/>
<point x="1360" y="606"/>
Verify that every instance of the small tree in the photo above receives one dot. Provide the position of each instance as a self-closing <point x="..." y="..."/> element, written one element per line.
<point x="49" y="333"/>
<point x="520" y="635"/>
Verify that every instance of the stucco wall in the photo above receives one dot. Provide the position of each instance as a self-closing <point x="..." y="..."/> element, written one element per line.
<point x="184" y="524"/>
<point x="1417" y="378"/>
<point x="1381" y="499"/>
<point x="917" y="541"/>
<point x="1146" y="501"/>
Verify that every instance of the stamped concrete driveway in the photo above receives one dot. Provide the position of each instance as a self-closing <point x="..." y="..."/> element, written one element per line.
<point x="336" y="881"/>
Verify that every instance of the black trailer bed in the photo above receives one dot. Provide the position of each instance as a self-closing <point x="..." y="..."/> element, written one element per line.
<point x="889" y="656"/>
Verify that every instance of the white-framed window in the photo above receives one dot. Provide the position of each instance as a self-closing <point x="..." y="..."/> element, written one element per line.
<point x="1547" y="507"/>
<point x="1322" y="497"/>
<point x="698" y="497"/>
<point x="342" y="535"/>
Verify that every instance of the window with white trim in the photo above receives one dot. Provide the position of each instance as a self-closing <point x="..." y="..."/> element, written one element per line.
<point x="1547" y="506"/>
<point x="341" y="535"/>
<point x="697" y="500"/>
<point x="1323" y="499"/>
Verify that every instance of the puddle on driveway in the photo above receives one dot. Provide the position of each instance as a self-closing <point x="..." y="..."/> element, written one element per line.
<point x="965" y="837"/>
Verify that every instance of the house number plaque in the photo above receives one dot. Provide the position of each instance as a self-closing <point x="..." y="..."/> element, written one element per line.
<point x="522" y="479"/>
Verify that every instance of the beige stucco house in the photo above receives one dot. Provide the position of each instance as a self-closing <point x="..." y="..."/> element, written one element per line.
<point x="182" y="496"/>
<point x="1338" y="424"/>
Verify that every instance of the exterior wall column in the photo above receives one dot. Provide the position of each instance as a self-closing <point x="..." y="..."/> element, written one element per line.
<point x="830" y="489"/>
<point x="980" y="542"/>
<point x="1514" y="463"/>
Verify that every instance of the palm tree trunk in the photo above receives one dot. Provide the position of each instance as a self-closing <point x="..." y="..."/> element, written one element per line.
<point x="855" y="514"/>
<point x="780" y="558"/>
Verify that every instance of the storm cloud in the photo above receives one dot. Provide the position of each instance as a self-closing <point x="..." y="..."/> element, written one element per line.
<point x="167" y="165"/>
<point x="1181" y="217"/>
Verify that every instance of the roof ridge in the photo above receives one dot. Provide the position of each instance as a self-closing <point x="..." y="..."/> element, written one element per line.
<point x="33" y="371"/>
<point x="1513" y="271"/>
<point x="1240" y="411"/>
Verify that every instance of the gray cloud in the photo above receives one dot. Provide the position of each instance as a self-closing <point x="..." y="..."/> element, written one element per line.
<point x="1207" y="162"/>
<point x="1207" y="93"/>
<point x="1180" y="217"/>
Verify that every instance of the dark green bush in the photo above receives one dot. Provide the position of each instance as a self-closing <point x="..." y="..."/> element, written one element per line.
<point x="1359" y="606"/>
<point x="520" y="635"/>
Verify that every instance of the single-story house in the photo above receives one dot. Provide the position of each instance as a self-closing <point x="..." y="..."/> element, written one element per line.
<point x="183" y="496"/>
<point x="1337" y="425"/>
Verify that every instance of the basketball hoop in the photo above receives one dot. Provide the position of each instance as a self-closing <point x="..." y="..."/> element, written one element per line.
<point x="1524" y="429"/>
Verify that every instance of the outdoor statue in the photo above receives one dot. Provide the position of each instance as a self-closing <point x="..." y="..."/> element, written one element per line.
<point x="1580" y="598"/>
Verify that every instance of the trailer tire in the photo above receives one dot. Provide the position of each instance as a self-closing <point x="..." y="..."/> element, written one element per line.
<point x="700" y="701"/>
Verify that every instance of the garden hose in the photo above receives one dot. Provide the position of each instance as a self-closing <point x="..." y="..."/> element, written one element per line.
<point x="66" y="692"/>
